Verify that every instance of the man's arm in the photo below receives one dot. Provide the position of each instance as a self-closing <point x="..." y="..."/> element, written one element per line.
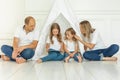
<point x="15" y="42"/>
<point x="15" y="47"/>
<point x="33" y="45"/>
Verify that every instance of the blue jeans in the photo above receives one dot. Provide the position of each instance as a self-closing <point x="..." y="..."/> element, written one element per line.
<point x="96" y="54"/>
<point x="53" y="55"/>
<point x="26" y="53"/>
<point x="74" y="57"/>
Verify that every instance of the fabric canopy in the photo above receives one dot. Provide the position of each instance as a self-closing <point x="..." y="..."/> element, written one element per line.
<point x="60" y="7"/>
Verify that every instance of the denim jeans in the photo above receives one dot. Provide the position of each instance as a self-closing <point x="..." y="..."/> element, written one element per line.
<point x="53" y="55"/>
<point x="74" y="57"/>
<point x="96" y="54"/>
<point x="26" y="53"/>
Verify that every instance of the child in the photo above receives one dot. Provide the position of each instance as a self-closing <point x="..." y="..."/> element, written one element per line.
<point x="54" y="45"/>
<point x="71" y="46"/>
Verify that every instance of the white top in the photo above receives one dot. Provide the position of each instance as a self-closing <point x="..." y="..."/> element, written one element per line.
<point x="95" y="39"/>
<point x="26" y="39"/>
<point x="70" y="45"/>
<point x="56" y="44"/>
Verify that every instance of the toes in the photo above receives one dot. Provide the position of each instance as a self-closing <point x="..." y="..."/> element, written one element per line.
<point x="20" y="60"/>
<point x="39" y="61"/>
<point x="5" y="58"/>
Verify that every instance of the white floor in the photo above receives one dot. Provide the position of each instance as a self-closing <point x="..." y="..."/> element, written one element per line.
<point x="88" y="70"/>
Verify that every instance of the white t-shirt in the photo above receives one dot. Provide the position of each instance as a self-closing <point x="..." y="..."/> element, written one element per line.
<point x="96" y="39"/>
<point x="26" y="39"/>
<point x="56" y="45"/>
<point x="70" y="45"/>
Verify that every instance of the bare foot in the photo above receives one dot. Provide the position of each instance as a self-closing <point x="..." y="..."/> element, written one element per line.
<point x="67" y="59"/>
<point x="110" y="59"/>
<point x="79" y="59"/>
<point x="20" y="60"/>
<point x="39" y="61"/>
<point x="5" y="58"/>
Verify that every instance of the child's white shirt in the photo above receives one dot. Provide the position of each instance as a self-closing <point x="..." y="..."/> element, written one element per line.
<point x="56" y="44"/>
<point x="70" y="45"/>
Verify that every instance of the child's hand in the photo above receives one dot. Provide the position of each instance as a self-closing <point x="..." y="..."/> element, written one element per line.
<point x="47" y="47"/>
<point x="47" y="50"/>
<point x="71" y="55"/>
<point x="61" y="49"/>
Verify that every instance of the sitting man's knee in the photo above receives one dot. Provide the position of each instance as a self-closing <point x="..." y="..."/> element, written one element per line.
<point x="28" y="53"/>
<point x="3" y="47"/>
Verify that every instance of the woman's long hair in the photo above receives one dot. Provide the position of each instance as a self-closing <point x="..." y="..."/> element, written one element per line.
<point x="87" y="27"/>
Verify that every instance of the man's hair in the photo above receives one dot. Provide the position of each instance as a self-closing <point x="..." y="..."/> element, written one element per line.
<point x="27" y="19"/>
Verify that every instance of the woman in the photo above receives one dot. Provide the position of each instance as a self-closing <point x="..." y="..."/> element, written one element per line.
<point x="94" y="46"/>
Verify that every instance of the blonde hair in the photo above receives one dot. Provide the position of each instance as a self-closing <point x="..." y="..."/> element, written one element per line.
<point x="59" y="36"/>
<point x="72" y="31"/>
<point x="87" y="27"/>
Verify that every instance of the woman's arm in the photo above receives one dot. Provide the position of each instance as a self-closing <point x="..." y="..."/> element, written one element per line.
<point x="85" y="48"/>
<point x="88" y="45"/>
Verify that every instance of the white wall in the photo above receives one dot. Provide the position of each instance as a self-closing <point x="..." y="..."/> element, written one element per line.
<point x="103" y="15"/>
<point x="11" y="15"/>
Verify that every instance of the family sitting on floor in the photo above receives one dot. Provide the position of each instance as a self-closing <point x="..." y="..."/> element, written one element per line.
<point x="58" y="48"/>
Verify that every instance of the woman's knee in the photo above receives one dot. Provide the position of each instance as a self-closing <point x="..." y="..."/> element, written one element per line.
<point x="86" y="55"/>
<point x="115" y="47"/>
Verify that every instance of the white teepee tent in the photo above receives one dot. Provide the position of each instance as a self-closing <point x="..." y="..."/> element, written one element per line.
<point x="60" y="7"/>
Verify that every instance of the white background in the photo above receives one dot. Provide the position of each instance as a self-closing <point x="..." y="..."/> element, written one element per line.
<point x="103" y="15"/>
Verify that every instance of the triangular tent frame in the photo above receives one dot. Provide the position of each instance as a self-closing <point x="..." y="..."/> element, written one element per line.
<point x="59" y="7"/>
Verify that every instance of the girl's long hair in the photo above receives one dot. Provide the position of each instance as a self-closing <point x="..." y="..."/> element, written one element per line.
<point x="72" y="31"/>
<point x="59" y="36"/>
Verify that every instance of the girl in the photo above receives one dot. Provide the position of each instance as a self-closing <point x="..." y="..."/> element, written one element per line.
<point x="71" y="46"/>
<point x="54" y="45"/>
<point x="94" y="46"/>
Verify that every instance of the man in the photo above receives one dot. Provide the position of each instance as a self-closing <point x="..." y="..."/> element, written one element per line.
<point x="24" y="43"/>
